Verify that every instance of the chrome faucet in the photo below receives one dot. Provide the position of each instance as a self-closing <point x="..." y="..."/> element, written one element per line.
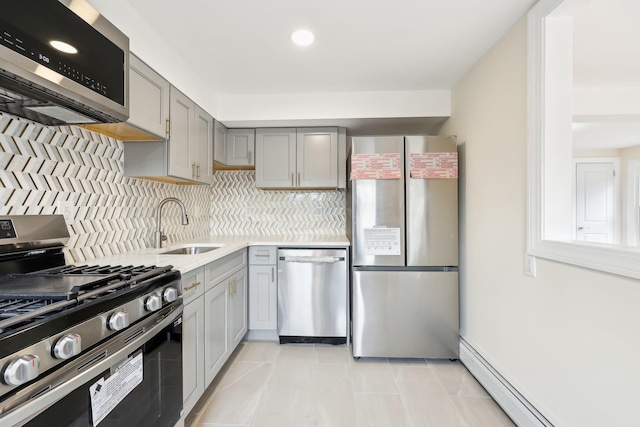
<point x="159" y="237"/>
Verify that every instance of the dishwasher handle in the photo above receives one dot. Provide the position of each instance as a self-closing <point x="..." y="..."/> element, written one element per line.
<point x="312" y="259"/>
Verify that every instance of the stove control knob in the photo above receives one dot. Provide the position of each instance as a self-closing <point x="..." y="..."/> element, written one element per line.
<point x="67" y="346"/>
<point x="170" y="294"/>
<point x="22" y="370"/>
<point x="153" y="303"/>
<point x="118" y="321"/>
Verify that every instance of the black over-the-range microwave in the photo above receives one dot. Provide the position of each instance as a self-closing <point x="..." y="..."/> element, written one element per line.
<point x="61" y="62"/>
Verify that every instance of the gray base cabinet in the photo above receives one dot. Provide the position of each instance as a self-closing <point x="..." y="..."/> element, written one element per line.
<point x="237" y="307"/>
<point x="193" y="338"/>
<point x="193" y="353"/>
<point x="263" y="288"/>
<point x="214" y="321"/>
<point x="216" y="330"/>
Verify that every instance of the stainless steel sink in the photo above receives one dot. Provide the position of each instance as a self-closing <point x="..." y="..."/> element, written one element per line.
<point x="190" y="250"/>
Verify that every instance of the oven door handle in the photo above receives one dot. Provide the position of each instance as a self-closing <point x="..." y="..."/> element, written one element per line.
<point x="25" y="412"/>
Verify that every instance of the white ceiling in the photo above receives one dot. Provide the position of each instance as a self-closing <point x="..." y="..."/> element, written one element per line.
<point x="243" y="47"/>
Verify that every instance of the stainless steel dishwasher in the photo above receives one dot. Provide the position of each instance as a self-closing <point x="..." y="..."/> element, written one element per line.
<point x="312" y="295"/>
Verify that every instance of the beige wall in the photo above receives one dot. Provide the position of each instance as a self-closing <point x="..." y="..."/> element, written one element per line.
<point x="567" y="340"/>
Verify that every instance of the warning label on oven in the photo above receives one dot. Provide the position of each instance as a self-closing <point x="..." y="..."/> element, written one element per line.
<point x="107" y="393"/>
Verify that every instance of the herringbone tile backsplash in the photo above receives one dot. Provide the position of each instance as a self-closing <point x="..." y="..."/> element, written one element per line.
<point x="45" y="170"/>
<point x="238" y="207"/>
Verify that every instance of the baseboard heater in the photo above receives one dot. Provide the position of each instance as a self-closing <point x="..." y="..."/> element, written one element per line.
<point x="519" y="409"/>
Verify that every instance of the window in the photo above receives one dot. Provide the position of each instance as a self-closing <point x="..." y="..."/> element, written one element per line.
<point x="551" y="176"/>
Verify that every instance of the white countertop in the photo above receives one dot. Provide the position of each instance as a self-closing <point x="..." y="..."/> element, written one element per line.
<point x="228" y="245"/>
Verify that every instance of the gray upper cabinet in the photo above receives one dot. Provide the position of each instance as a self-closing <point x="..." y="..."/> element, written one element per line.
<point x="276" y="158"/>
<point x="297" y="158"/>
<point x="220" y="143"/>
<point x="149" y="98"/>
<point x="234" y="147"/>
<point x="203" y="146"/>
<point x="185" y="157"/>
<point x="148" y="106"/>
<point x="182" y="136"/>
<point x="317" y="157"/>
<point x="190" y="140"/>
<point x="240" y="147"/>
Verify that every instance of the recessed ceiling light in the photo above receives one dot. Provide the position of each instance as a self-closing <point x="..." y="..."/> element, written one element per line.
<point x="63" y="47"/>
<point x="302" y="37"/>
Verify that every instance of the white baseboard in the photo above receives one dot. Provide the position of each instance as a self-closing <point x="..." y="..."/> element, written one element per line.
<point x="510" y="400"/>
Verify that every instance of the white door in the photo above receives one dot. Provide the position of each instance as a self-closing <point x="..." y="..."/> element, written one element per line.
<point x="596" y="202"/>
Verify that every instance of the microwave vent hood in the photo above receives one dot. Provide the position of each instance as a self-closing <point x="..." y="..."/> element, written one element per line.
<point x="61" y="62"/>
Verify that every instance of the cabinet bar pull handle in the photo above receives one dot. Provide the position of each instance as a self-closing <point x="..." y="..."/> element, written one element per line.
<point x="250" y="157"/>
<point x="168" y="128"/>
<point x="261" y="255"/>
<point x="273" y="274"/>
<point x="193" y="285"/>
<point x="298" y="179"/>
<point x="198" y="170"/>
<point x="292" y="183"/>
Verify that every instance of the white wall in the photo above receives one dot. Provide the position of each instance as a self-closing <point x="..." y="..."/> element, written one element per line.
<point x="149" y="46"/>
<point x="568" y="339"/>
<point x="337" y="105"/>
<point x="601" y="102"/>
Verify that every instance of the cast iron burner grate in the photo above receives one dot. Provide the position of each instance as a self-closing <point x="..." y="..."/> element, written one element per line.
<point x="35" y="297"/>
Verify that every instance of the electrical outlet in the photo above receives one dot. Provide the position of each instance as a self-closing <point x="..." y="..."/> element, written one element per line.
<point x="530" y="265"/>
<point x="65" y="208"/>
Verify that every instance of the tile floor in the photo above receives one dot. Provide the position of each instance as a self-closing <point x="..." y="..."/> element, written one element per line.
<point x="302" y="385"/>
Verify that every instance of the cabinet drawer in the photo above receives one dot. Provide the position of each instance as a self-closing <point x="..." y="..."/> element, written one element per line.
<point x="262" y="255"/>
<point x="193" y="284"/>
<point x="222" y="268"/>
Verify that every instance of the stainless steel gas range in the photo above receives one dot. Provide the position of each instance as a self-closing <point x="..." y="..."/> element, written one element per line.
<point x="84" y="345"/>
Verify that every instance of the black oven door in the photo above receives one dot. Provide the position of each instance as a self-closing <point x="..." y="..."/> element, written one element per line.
<point x="137" y="388"/>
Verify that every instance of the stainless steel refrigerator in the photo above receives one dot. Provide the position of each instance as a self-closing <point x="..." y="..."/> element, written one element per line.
<point x="402" y="218"/>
